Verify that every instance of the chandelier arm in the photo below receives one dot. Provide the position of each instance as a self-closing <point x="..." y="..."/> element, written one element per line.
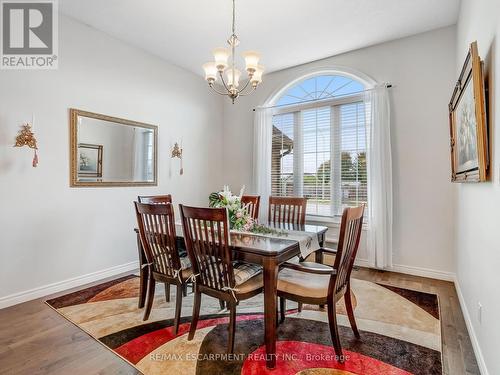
<point x="217" y="91"/>
<point x="224" y="82"/>
<point x="246" y="85"/>
<point x="249" y="92"/>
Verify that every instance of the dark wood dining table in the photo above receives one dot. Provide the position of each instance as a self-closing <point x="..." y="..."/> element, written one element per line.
<point x="270" y="252"/>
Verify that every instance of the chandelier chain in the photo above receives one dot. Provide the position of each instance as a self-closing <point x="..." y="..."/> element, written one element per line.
<point x="234" y="17"/>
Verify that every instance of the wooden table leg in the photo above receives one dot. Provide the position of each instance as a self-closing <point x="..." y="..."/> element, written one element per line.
<point x="143" y="275"/>
<point x="270" y="284"/>
<point x="319" y="254"/>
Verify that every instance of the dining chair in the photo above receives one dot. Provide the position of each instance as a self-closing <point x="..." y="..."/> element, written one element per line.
<point x="252" y="202"/>
<point x="318" y="284"/>
<point x="157" y="233"/>
<point x="157" y="199"/>
<point x="287" y="210"/>
<point x="206" y="231"/>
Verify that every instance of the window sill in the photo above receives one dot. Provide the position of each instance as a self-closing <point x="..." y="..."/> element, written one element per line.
<point x="323" y="220"/>
<point x="332" y="222"/>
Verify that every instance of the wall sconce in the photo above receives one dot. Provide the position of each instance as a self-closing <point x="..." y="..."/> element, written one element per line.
<point x="26" y="137"/>
<point x="177" y="153"/>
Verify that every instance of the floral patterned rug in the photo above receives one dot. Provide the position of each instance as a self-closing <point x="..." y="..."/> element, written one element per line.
<point x="400" y="332"/>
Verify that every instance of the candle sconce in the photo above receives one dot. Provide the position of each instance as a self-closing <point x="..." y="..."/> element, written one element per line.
<point x="26" y="137"/>
<point x="177" y="153"/>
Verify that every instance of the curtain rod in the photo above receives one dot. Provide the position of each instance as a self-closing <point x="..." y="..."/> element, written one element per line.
<point x="388" y="86"/>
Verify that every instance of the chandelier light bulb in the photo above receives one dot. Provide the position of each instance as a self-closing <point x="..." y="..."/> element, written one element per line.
<point x="210" y="72"/>
<point x="233" y="82"/>
<point x="221" y="56"/>
<point x="257" y="75"/>
<point x="251" y="60"/>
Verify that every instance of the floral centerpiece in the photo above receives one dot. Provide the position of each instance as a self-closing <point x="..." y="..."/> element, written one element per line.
<point x="239" y="217"/>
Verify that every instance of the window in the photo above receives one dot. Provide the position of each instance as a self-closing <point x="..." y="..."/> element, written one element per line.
<point x="319" y="144"/>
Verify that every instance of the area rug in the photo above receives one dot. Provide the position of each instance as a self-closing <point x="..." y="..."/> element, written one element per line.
<point x="400" y="333"/>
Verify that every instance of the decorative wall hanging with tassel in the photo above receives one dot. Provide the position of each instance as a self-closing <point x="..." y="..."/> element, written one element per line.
<point x="26" y="137"/>
<point x="177" y="153"/>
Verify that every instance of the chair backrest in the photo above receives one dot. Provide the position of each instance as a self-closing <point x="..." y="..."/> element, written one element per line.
<point x="156" y="199"/>
<point x="252" y="202"/>
<point x="350" y="234"/>
<point x="206" y="232"/>
<point x="288" y="210"/>
<point x="157" y="232"/>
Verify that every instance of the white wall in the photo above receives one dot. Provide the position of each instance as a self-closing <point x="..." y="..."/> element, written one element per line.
<point x="51" y="232"/>
<point x="478" y="205"/>
<point x="422" y="69"/>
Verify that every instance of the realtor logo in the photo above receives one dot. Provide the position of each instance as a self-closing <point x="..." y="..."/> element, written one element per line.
<point x="29" y="34"/>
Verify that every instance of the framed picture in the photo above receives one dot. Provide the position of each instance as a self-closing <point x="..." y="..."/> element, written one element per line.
<point x="89" y="160"/>
<point x="468" y="128"/>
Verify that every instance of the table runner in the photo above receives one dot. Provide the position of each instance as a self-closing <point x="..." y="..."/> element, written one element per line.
<point x="308" y="241"/>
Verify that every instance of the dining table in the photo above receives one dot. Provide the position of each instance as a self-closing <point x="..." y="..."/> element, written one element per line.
<point x="269" y="252"/>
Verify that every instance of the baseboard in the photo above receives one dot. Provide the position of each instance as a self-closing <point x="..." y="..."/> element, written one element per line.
<point x="423" y="272"/>
<point x="362" y="263"/>
<point x="470" y="328"/>
<point x="59" y="286"/>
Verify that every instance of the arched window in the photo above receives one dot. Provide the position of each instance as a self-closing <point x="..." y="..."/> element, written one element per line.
<point x="319" y="144"/>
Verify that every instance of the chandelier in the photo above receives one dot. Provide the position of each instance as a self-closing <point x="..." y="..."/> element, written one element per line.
<point x="231" y="86"/>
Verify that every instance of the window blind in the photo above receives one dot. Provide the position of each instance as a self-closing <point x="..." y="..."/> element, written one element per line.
<point x="282" y="172"/>
<point x="320" y="153"/>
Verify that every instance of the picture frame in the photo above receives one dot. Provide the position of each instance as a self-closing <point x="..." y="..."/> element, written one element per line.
<point x="468" y="125"/>
<point x="90" y="160"/>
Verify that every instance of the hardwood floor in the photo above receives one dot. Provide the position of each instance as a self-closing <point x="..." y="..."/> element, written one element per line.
<point x="34" y="339"/>
<point x="458" y="354"/>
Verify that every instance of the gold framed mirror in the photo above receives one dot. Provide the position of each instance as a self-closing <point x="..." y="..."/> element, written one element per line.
<point x="110" y="151"/>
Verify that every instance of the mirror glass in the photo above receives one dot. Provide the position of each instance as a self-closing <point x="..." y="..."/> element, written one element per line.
<point x="111" y="151"/>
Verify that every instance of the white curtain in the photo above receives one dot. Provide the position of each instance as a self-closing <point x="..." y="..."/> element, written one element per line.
<point x="262" y="140"/>
<point x="379" y="163"/>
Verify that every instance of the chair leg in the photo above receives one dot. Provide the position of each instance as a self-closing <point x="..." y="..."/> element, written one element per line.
<point x="282" y="309"/>
<point x="196" y="314"/>
<point x="300" y="307"/>
<point x="276" y="317"/>
<point x="222" y="304"/>
<point x="334" y="331"/>
<point x="184" y="290"/>
<point x="143" y="286"/>
<point x="178" y="307"/>
<point x="350" y="311"/>
<point x="231" y="328"/>
<point x="167" y="292"/>
<point x="151" y="296"/>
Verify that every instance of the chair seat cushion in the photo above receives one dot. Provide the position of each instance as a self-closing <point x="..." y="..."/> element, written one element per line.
<point x="186" y="273"/>
<point x="303" y="284"/>
<point x="314" y="265"/>
<point x="255" y="282"/>
<point x="245" y="271"/>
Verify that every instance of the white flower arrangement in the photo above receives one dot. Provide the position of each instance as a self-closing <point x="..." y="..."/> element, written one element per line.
<point x="239" y="216"/>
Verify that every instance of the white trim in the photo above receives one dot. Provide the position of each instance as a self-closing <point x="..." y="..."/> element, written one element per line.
<point x="423" y="272"/>
<point x="470" y="328"/>
<point x="306" y="73"/>
<point x="348" y="99"/>
<point x="59" y="286"/>
<point x="362" y="263"/>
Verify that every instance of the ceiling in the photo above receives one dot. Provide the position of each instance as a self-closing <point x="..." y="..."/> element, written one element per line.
<point x="286" y="32"/>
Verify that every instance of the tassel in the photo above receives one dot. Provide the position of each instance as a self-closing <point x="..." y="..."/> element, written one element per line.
<point x="35" y="160"/>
